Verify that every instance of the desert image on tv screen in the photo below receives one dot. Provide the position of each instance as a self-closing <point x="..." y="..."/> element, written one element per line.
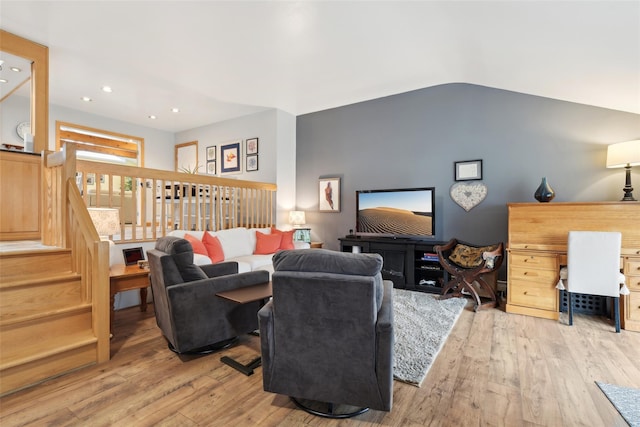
<point x="407" y="213"/>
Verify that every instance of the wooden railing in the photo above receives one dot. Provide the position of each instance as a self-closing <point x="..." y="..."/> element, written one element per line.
<point x="90" y="258"/>
<point x="153" y="202"/>
<point x="66" y="223"/>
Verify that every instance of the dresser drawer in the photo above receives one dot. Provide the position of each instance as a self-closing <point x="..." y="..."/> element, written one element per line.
<point x="632" y="306"/>
<point x="632" y="268"/>
<point x="533" y="261"/>
<point x="527" y="294"/>
<point x="528" y="274"/>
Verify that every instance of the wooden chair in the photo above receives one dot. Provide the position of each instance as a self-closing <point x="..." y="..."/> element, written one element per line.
<point x="468" y="264"/>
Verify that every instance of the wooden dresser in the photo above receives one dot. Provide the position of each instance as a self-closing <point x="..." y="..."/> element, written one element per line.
<point x="538" y="248"/>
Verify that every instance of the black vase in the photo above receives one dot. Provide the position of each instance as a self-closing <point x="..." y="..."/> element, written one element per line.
<point x="544" y="193"/>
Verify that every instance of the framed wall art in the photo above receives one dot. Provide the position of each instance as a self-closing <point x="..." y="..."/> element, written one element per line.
<point x="329" y="194"/>
<point x="468" y="170"/>
<point x="252" y="163"/>
<point x="251" y="146"/>
<point x="211" y="167"/>
<point x="230" y="158"/>
<point x="211" y="153"/>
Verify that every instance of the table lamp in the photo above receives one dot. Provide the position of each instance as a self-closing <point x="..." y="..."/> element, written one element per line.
<point x="107" y="223"/>
<point x="297" y="220"/>
<point x="624" y="154"/>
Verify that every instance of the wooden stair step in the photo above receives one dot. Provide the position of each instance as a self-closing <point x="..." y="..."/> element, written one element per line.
<point x="21" y="263"/>
<point x="48" y="359"/>
<point x="43" y="316"/>
<point x="18" y="335"/>
<point x="39" y="293"/>
<point x="39" y="350"/>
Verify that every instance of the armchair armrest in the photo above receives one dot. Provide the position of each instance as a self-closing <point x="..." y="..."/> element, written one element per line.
<point x="385" y="341"/>
<point x="220" y="269"/>
<point x="266" y="322"/>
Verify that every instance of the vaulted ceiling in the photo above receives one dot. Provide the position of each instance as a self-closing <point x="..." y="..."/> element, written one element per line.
<point x="218" y="60"/>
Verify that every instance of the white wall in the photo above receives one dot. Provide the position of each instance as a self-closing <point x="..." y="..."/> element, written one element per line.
<point x="13" y="110"/>
<point x="276" y="133"/>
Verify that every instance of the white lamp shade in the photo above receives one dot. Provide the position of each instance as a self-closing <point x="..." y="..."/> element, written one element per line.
<point x="623" y="153"/>
<point x="106" y="220"/>
<point x="297" y="218"/>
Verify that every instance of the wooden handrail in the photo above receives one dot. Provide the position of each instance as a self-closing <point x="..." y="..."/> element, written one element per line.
<point x="152" y="202"/>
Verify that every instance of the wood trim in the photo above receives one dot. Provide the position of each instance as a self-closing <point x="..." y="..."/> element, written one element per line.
<point x="39" y="57"/>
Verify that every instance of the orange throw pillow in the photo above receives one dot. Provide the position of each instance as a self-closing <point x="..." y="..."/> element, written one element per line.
<point x="267" y="243"/>
<point x="287" y="238"/>
<point x="196" y="244"/>
<point x="214" y="248"/>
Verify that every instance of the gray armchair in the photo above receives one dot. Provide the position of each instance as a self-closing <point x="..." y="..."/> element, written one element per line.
<point x="190" y="315"/>
<point x="327" y="334"/>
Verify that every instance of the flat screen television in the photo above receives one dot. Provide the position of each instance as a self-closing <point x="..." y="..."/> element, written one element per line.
<point x="398" y="213"/>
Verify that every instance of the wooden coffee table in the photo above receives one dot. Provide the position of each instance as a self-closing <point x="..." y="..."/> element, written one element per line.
<point x="260" y="292"/>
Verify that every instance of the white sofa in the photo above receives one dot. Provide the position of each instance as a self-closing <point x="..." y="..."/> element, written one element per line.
<point x="238" y="244"/>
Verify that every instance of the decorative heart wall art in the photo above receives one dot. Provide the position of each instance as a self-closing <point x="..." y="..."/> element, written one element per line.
<point x="468" y="196"/>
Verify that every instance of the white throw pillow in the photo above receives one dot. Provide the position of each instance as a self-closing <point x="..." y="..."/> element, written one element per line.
<point x="235" y="242"/>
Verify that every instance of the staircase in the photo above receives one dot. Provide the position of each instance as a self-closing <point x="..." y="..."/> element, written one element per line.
<point x="46" y="325"/>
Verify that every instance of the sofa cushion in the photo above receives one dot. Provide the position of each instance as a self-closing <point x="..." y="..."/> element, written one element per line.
<point x="267" y="243"/>
<point x="287" y="238"/>
<point x="214" y="248"/>
<point x="255" y="261"/>
<point x="469" y="256"/>
<point x="235" y="242"/>
<point x="196" y="244"/>
<point x="201" y="259"/>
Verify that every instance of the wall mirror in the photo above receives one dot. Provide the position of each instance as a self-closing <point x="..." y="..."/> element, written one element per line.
<point x="35" y="88"/>
<point x="186" y="157"/>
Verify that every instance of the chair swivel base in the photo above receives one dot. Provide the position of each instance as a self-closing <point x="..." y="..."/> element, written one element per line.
<point x="245" y="369"/>
<point x="327" y="410"/>
<point x="208" y="349"/>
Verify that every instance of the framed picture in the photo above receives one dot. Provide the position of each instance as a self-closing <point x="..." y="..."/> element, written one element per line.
<point x="91" y="179"/>
<point x="468" y="170"/>
<point x="252" y="146"/>
<point x="230" y="156"/>
<point x="211" y="167"/>
<point x="211" y="153"/>
<point x="132" y="255"/>
<point x="252" y="163"/>
<point x="329" y="195"/>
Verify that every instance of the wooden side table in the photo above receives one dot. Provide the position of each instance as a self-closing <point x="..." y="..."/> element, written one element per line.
<point x="317" y="245"/>
<point x="125" y="278"/>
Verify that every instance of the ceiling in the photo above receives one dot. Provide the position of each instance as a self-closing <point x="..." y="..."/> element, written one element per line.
<point x="220" y="60"/>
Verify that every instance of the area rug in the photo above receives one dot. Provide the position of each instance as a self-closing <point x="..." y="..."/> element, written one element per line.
<point x="626" y="400"/>
<point x="422" y="324"/>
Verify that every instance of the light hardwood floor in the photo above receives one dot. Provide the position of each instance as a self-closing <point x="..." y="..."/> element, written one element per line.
<point x="496" y="369"/>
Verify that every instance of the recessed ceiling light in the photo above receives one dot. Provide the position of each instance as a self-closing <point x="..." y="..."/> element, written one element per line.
<point x="4" y="81"/>
<point x="175" y="110"/>
<point x="107" y="89"/>
<point x="86" y="99"/>
<point x="16" y="69"/>
<point x="152" y="117"/>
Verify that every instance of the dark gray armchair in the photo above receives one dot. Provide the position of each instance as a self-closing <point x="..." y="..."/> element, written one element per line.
<point x="327" y="334"/>
<point x="190" y="315"/>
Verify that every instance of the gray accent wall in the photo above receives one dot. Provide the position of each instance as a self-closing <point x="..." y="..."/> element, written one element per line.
<point x="413" y="139"/>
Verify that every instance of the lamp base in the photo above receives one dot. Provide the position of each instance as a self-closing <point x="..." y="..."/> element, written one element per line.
<point x="628" y="189"/>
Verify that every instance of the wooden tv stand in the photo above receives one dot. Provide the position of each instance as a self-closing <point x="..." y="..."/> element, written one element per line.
<point x="538" y="248"/>
<point x="403" y="261"/>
